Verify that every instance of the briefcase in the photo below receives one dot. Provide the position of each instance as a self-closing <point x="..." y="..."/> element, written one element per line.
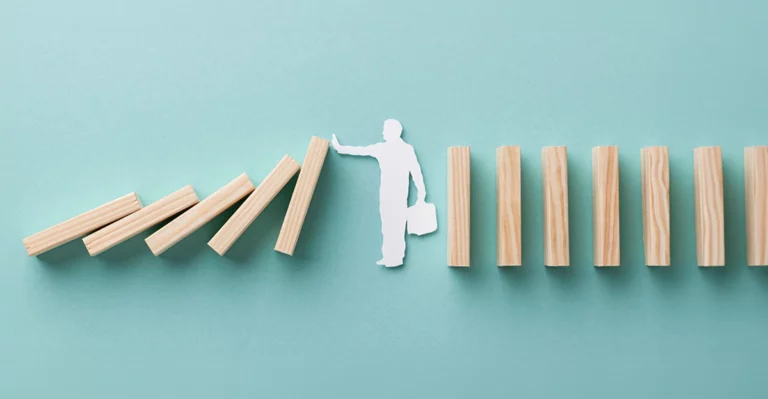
<point x="421" y="218"/>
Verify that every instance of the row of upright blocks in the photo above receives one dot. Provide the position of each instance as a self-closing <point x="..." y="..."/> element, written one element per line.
<point x="708" y="203"/>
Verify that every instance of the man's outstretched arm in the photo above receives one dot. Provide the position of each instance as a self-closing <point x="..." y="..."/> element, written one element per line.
<point x="418" y="178"/>
<point x="351" y="150"/>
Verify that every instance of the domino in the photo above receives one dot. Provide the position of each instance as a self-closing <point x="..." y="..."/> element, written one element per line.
<point x="200" y="214"/>
<point x="508" y="204"/>
<point x="254" y="205"/>
<point x="139" y="221"/>
<point x="81" y="225"/>
<point x="605" y="206"/>
<point x="708" y="198"/>
<point x="302" y="196"/>
<point x="654" y="165"/>
<point x="458" y="206"/>
<point x="554" y="170"/>
<point x="756" y="187"/>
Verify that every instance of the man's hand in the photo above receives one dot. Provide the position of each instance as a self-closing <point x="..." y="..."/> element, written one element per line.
<point x="335" y="143"/>
<point x="422" y="196"/>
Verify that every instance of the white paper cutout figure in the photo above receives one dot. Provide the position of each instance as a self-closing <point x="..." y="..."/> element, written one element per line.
<point x="398" y="164"/>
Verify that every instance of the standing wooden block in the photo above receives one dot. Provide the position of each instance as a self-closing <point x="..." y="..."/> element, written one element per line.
<point x="200" y="214"/>
<point x="254" y="205"/>
<point x="654" y="165"/>
<point x="302" y="196"/>
<point x="137" y="222"/>
<point x="708" y="197"/>
<point x="554" y="170"/>
<point x="605" y="206"/>
<point x="458" y="206"/>
<point x="81" y="225"/>
<point x="508" y="228"/>
<point x="756" y="186"/>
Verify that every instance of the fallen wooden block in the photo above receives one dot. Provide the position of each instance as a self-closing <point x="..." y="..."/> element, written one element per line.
<point x="81" y="225"/>
<point x="302" y="196"/>
<point x="139" y="221"/>
<point x="605" y="206"/>
<point x="554" y="170"/>
<point x="654" y="165"/>
<point x="254" y="205"/>
<point x="200" y="214"/>
<point x="458" y="206"/>
<point x="708" y="197"/>
<point x="508" y="229"/>
<point x="756" y="187"/>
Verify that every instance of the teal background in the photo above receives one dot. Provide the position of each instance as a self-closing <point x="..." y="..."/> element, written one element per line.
<point x="98" y="99"/>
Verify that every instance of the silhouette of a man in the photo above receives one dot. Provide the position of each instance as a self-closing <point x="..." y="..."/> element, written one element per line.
<point x="397" y="161"/>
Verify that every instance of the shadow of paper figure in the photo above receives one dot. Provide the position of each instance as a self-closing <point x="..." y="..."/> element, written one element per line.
<point x="398" y="164"/>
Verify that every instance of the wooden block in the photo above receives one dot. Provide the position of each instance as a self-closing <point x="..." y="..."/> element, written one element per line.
<point x="200" y="214"/>
<point x="554" y="170"/>
<point x="654" y="165"/>
<point x="302" y="196"/>
<point x="508" y="229"/>
<point x="137" y="222"/>
<point x="458" y="206"/>
<point x="254" y="205"/>
<point x="605" y="205"/>
<point x="756" y="186"/>
<point x="81" y="225"/>
<point x="708" y="197"/>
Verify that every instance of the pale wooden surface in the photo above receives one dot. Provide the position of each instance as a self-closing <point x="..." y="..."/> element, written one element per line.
<point x="458" y="206"/>
<point x="756" y="186"/>
<point x="302" y="196"/>
<point x="654" y="166"/>
<point x="605" y="206"/>
<point x="554" y="170"/>
<point x="508" y="229"/>
<point x="81" y="225"/>
<point x="708" y="197"/>
<point x="141" y="220"/>
<point x="200" y="214"/>
<point x="254" y="205"/>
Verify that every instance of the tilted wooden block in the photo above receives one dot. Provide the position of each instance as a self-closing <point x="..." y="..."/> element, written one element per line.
<point x="708" y="197"/>
<point x="458" y="206"/>
<point x="302" y="196"/>
<point x="605" y="206"/>
<point x="654" y="165"/>
<point x="508" y="229"/>
<point x="139" y="221"/>
<point x="200" y="214"/>
<point x="554" y="170"/>
<point x="254" y="205"/>
<point x="756" y="186"/>
<point x="81" y="225"/>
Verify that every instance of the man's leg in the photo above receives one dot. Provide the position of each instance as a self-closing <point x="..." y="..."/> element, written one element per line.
<point x="393" y="231"/>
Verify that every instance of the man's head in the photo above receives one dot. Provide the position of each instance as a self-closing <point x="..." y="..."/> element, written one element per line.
<point x="392" y="130"/>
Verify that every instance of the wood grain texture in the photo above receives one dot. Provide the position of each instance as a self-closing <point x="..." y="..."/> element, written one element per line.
<point x="458" y="206"/>
<point x="200" y="214"/>
<point x="756" y="195"/>
<point x="81" y="225"/>
<point x="141" y="220"/>
<point x="508" y="207"/>
<point x="605" y="206"/>
<point x="708" y="197"/>
<point x="302" y="196"/>
<point x="554" y="170"/>
<point x="254" y="205"/>
<point x="654" y="166"/>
